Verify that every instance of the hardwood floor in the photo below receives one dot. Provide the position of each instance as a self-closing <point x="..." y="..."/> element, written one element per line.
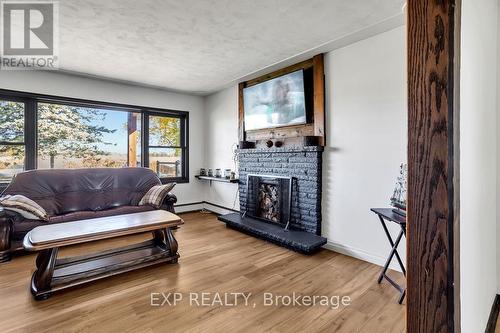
<point x="213" y="259"/>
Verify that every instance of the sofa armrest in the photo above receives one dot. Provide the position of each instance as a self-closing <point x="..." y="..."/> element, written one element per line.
<point x="168" y="203"/>
<point x="5" y="235"/>
<point x="170" y="199"/>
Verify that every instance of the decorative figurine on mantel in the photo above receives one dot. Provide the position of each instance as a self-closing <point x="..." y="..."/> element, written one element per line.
<point x="398" y="199"/>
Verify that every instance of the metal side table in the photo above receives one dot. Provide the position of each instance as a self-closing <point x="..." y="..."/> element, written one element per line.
<point x="387" y="214"/>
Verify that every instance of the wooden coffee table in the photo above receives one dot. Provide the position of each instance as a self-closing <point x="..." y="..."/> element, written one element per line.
<point x="53" y="274"/>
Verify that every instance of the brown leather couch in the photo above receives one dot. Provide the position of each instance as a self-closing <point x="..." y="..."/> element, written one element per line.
<point x="76" y="194"/>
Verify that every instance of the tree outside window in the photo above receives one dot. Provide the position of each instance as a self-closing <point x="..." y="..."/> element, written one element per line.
<point x="12" y="146"/>
<point x="165" y="146"/>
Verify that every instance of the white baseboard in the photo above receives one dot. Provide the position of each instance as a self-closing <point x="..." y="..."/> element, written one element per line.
<point x="361" y="255"/>
<point x="216" y="209"/>
<point x="183" y="208"/>
<point x="188" y="207"/>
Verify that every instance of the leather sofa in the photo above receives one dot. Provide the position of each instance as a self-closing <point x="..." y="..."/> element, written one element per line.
<point x="75" y="194"/>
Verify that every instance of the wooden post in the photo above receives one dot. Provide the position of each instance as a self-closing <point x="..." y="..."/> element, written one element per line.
<point x="319" y="97"/>
<point x="241" y="113"/>
<point x="432" y="280"/>
<point x="132" y="139"/>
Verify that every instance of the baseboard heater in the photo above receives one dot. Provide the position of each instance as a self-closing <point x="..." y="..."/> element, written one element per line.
<point x="296" y="240"/>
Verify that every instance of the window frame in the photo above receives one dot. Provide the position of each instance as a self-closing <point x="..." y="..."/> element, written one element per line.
<point x="27" y="137"/>
<point x="30" y="143"/>
<point x="184" y="146"/>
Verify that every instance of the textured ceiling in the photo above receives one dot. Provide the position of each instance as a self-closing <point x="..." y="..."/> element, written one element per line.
<point x="199" y="46"/>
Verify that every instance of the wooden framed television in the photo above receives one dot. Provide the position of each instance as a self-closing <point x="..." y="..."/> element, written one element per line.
<point x="309" y="124"/>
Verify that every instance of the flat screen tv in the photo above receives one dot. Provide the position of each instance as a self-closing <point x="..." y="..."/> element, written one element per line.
<point x="276" y="102"/>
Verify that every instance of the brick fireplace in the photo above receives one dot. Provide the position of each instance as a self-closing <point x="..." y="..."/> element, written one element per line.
<point x="303" y="165"/>
<point x="268" y="204"/>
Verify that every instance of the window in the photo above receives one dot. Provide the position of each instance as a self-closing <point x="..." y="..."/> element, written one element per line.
<point x="87" y="137"/>
<point x="12" y="141"/>
<point x="167" y="146"/>
<point x="49" y="132"/>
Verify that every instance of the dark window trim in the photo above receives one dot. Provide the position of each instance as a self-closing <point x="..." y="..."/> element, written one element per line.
<point x="184" y="118"/>
<point x="30" y="135"/>
<point x="22" y="96"/>
<point x="12" y="143"/>
<point x="29" y="132"/>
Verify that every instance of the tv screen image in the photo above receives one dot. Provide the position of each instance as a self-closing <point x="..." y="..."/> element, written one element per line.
<point x="275" y="103"/>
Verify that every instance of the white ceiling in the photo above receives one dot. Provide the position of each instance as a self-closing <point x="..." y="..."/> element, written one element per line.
<point x="201" y="46"/>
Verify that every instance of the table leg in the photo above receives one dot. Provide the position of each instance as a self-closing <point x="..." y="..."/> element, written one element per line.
<point x="171" y="243"/>
<point x="394" y="251"/>
<point x="392" y="245"/>
<point x="159" y="237"/>
<point x="165" y="239"/>
<point x="402" y="297"/>
<point x="42" y="277"/>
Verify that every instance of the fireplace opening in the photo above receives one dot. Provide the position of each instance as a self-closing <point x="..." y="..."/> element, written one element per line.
<point x="269" y="198"/>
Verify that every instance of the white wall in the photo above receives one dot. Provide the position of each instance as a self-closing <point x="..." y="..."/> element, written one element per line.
<point x="366" y="142"/>
<point x="366" y="124"/>
<point x="498" y="150"/>
<point x="52" y="83"/>
<point x="478" y="262"/>
<point x="222" y="120"/>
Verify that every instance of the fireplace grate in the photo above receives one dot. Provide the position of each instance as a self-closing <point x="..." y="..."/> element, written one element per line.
<point x="269" y="198"/>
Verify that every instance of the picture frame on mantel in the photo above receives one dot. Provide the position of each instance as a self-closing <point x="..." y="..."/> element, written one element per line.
<point x="314" y="128"/>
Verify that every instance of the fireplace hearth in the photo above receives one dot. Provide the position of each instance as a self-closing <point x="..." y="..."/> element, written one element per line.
<point x="280" y="196"/>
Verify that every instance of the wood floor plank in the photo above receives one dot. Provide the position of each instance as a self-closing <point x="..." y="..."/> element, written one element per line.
<point x="213" y="259"/>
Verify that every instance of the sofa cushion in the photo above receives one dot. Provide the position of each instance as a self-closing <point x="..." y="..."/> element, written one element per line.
<point x="72" y="190"/>
<point x="156" y="195"/>
<point x="24" y="206"/>
<point x="20" y="228"/>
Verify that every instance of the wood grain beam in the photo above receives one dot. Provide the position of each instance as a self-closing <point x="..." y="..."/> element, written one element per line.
<point x="432" y="162"/>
